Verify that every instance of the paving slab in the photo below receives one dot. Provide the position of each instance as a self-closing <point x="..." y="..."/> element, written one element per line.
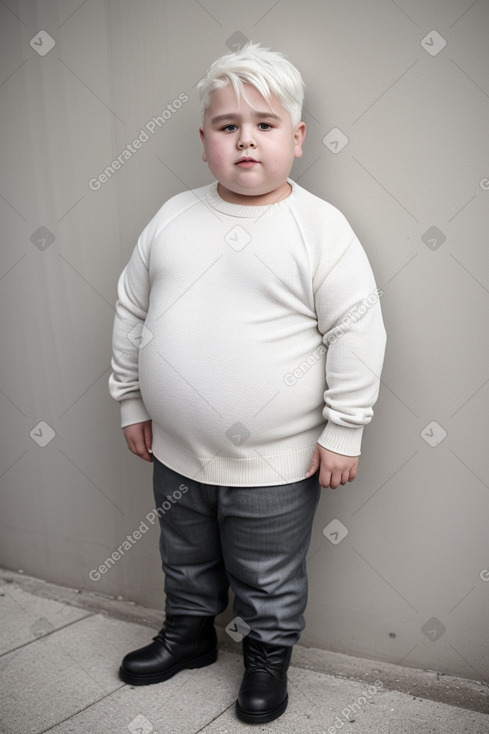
<point x="61" y="673"/>
<point x="59" y="663"/>
<point x="26" y="617"/>
<point x="323" y="704"/>
<point x="182" y="705"/>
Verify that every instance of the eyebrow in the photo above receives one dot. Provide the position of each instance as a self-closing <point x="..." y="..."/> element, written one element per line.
<point x="231" y="116"/>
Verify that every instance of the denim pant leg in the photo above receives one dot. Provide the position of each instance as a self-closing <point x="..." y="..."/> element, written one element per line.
<point x="195" y="578"/>
<point x="265" y="536"/>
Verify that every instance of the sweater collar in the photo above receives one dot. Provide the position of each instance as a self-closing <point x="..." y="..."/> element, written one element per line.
<point x="251" y="212"/>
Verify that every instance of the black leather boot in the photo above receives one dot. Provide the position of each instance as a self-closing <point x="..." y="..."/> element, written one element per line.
<point x="263" y="693"/>
<point x="184" y="642"/>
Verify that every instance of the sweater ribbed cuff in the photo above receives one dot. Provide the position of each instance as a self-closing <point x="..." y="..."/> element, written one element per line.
<point x="341" y="440"/>
<point x="133" y="410"/>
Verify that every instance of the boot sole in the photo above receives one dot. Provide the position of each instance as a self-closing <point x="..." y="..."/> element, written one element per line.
<point x="250" y="717"/>
<point x="145" y="680"/>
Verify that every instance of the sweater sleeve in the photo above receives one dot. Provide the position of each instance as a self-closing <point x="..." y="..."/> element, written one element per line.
<point x="128" y="332"/>
<point x="350" y="321"/>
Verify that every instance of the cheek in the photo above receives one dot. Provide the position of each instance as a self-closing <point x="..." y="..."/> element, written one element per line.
<point x="282" y="157"/>
<point x="216" y="151"/>
<point x="283" y="149"/>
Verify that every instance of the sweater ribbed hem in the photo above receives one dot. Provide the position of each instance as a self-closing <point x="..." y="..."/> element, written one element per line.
<point x="267" y="469"/>
<point x="341" y="439"/>
<point x="133" y="410"/>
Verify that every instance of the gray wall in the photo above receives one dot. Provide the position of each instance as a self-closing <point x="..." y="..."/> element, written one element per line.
<point x="409" y="582"/>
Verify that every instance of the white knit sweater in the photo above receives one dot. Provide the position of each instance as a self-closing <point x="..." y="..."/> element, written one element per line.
<point x="247" y="334"/>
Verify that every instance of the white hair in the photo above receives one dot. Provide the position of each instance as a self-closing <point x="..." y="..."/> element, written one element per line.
<point x="268" y="71"/>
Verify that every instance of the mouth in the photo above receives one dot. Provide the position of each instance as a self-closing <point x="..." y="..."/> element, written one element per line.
<point x="247" y="162"/>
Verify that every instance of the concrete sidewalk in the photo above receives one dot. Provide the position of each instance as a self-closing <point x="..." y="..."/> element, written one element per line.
<point x="60" y="651"/>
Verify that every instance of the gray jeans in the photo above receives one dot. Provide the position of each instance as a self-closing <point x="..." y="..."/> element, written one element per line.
<point x="254" y="539"/>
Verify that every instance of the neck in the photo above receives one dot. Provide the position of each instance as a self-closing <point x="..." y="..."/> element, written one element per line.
<point x="271" y="197"/>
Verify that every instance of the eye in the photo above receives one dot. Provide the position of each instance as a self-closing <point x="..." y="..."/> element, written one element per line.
<point x="228" y="128"/>
<point x="265" y="126"/>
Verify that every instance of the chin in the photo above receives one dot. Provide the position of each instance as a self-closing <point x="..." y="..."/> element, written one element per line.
<point x="257" y="190"/>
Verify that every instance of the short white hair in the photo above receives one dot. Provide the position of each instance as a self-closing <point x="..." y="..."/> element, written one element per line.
<point x="268" y="71"/>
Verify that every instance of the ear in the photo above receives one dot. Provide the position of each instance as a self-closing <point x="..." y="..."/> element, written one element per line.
<point x="299" y="136"/>
<point x="202" y="137"/>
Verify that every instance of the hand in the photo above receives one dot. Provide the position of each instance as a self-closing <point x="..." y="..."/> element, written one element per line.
<point x="139" y="437"/>
<point x="334" y="468"/>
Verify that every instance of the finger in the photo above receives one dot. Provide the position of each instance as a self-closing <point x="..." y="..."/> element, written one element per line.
<point x="138" y="446"/>
<point x="313" y="466"/>
<point x="143" y="451"/>
<point x="325" y="479"/>
<point x="333" y="483"/>
<point x="148" y="438"/>
<point x="131" y="442"/>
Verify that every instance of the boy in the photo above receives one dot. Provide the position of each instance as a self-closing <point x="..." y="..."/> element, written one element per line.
<point x="257" y="369"/>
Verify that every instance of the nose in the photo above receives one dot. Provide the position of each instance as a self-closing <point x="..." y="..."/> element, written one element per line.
<point x="245" y="140"/>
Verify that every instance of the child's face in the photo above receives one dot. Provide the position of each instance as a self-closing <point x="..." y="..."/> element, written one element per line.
<point x="234" y="130"/>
